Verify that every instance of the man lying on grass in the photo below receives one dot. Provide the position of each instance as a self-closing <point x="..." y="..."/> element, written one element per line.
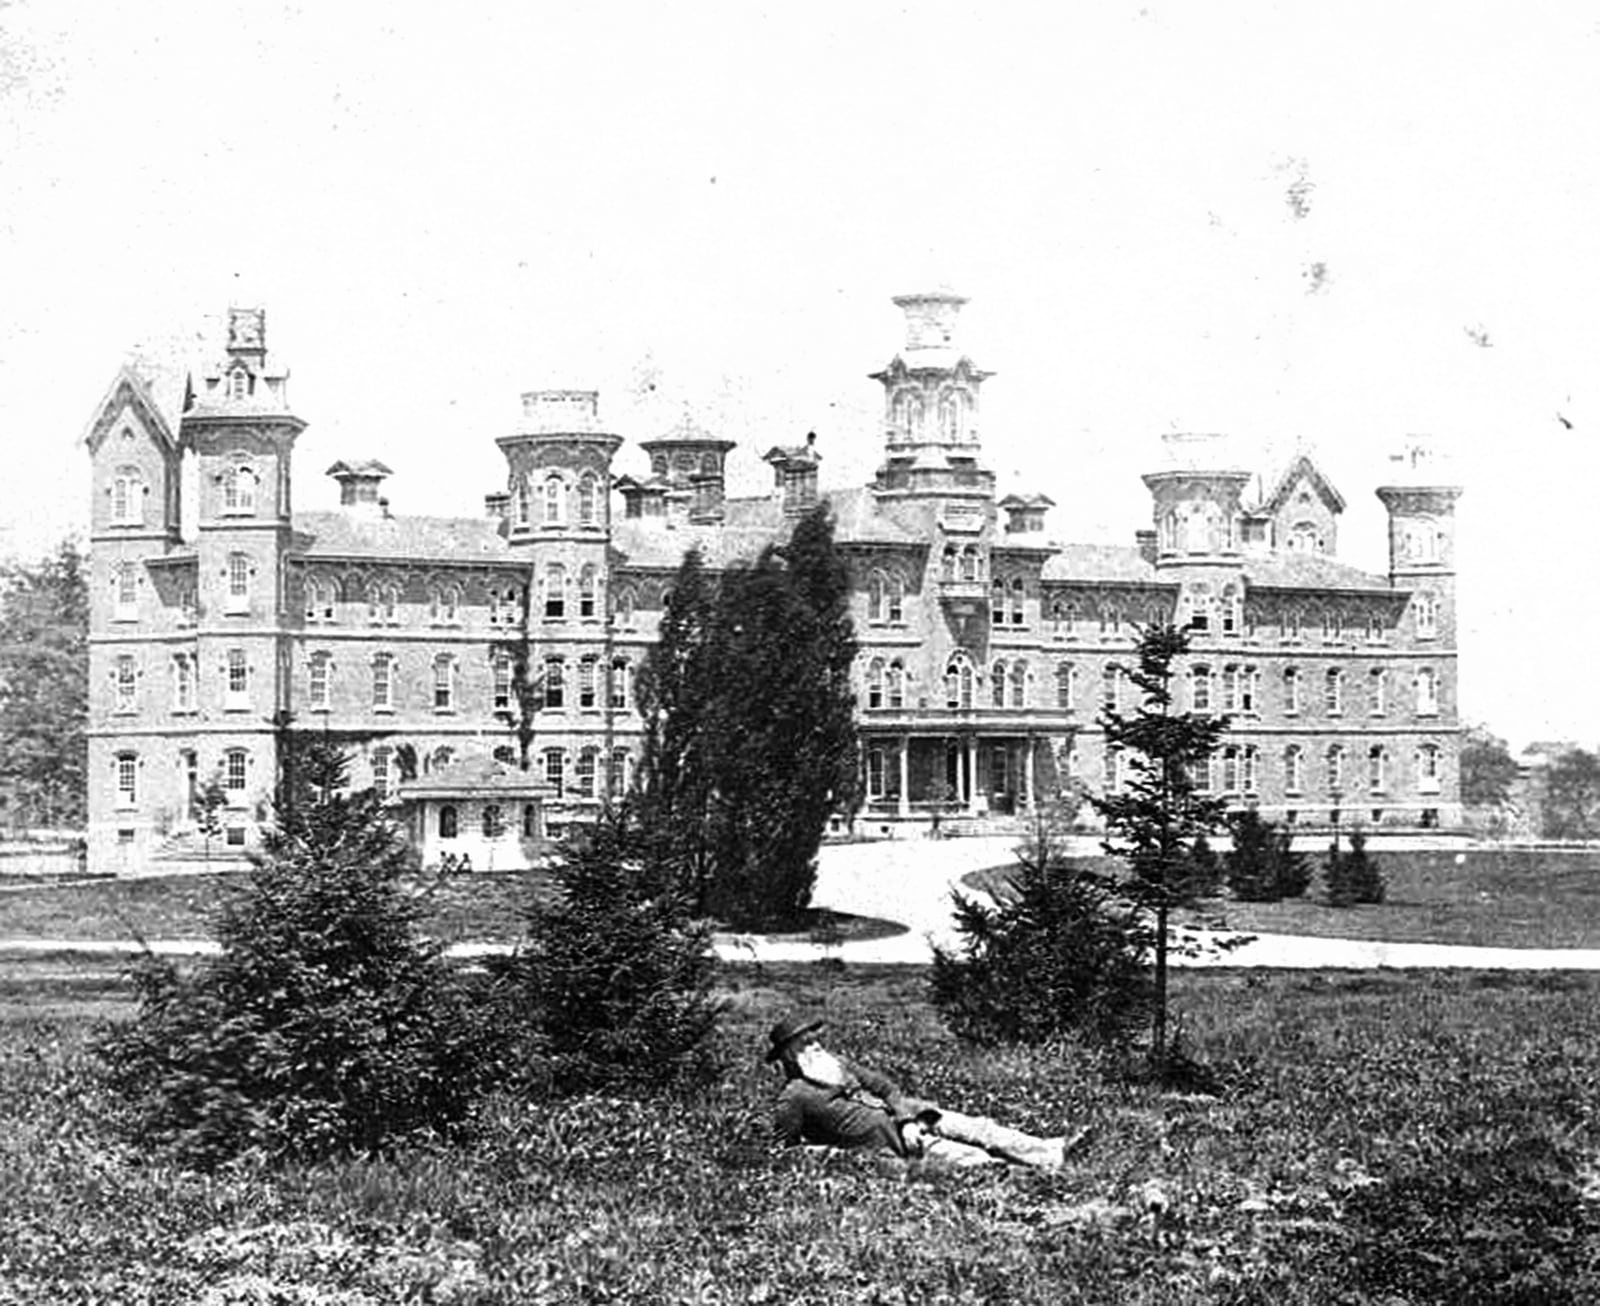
<point x="830" y="1101"/>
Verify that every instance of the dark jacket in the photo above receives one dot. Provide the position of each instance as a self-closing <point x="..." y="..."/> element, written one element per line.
<point x="867" y="1111"/>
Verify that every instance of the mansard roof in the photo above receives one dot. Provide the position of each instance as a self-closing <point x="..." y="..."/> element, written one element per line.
<point x="1302" y="468"/>
<point x="1309" y="571"/>
<point x="1119" y="563"/>
<point x="128" y="390"/>
<point x="428" y="539"/>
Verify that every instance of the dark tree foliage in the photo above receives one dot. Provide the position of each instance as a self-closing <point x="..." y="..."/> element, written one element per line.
<point x="1487" y="768"/>
<point x="1154" y="821"/>
<point x="614" y="984"/>
<point x="1572" y="796"/>
<point x="325" y="1025"/>
<point x="1262" y="865"/>
<point x="1205" y="869"/>
<point x="44" y="684"/>
<point x="1063" y="953"/>
<point x="1352" y="877"/>
<point x="750" y="725"/>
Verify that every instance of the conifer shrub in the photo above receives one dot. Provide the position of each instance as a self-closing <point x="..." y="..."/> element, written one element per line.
<point x="326" y="1024"/>
<point x="1063" y="954"/>
<point x="1205" y="869"/>
<point x="1291" y="871"/>
<point x="613" y="982"/>
<point x="1250" y="865"/>
<point x="1352" y="877"/>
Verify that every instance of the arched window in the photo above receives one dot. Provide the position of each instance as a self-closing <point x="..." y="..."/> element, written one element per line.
<point x="127" y="772"/>
<point x="958" y="678"/>
<point x="1251" y="777"/>
<point x="444" y="683"/>
<point x="127" y="497"/>
<point x="1230" y="769"/>
<point x="449" y="821"/>
<point x="555" y="591"/>
<point x="897" y="597"/>
<point x="1200" y="689"/>
<point x="1335" y="768"/>
<point x="997" y="603"/>
<point x="1019" y="684"/>
<point x="588" y="693"/>
<point x="445" y="605"/>
<point x="1293" y="769"/>
<point x="524" y="503"/>
<point x="950" y="419"/>
<point x="876" y="586"/>
<point x="587" y="500"/>
<point x="555" y="495"/>
<point x="1067" y="687"/>
<point x="1427" y="692"/>
<point x="238" y="383"/>
<point x="1428" y="769"/>
<point x="896" y="684"/>
<point x="997" y="683"/>
<point x="947" y="569"/>
<point x="875" y="683"/>
<point x="238" y="681"/>
<point x="914" y="415"/>
<point x="1333" y="692"/>
<point x="1377" y="691"/>
<point x="555" y="683"/>
<point x="1232" y="610"/>
<point x="494" y="824"/>
<point x="969" y="563"/>
<point x="555" y="770"/>
<point x="1291" y="690"/>
<point x="1377" y="769"/>
<point x="621" y="675"/>
<point x="126" y="679"/>
<point x="1427" y="616"/>
<point x="500" y="674"/>
<point x="1018" y="594"/>
<point x="588" y="590"/>
<point x="1110" y="686"/>
<point x="584" y="772"/>
<point x="183" y="682"/>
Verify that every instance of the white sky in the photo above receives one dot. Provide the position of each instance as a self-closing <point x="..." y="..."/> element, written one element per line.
<point x="443" y="205"/>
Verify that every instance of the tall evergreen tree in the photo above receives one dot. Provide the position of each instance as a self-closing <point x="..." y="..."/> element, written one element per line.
<point x="750" y="742"/>
<point x="1155" y="819"/>
<point x="44" y="685"/>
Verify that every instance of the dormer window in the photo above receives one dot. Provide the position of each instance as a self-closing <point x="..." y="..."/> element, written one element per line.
<point x="238" y="383"/>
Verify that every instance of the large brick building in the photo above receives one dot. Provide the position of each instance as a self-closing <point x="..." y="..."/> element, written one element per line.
<point x="430" y="644"/>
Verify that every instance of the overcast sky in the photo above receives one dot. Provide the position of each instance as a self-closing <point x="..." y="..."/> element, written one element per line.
<point x="1309" y="225"/>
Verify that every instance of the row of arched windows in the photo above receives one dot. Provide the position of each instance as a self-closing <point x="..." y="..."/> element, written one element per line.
<point x="559" y="597"/>
<point x="589" y="686"/>
<point x="1334" y="690"/>
<point x="1237" y="769"/>
<point x="553" y="502"/>
<point x="909" y="414"/>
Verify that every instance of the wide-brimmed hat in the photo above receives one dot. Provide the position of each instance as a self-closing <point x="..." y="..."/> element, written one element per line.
<point x="788" y="1029"/>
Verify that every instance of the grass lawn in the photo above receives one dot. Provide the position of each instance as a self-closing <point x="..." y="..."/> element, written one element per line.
<point x="1394" y="1138"/>
<point x="1506" y="898"/>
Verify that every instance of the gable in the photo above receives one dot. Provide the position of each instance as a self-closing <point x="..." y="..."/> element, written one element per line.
<point x="1303" y="474"/>
<point x="128" y="403"/>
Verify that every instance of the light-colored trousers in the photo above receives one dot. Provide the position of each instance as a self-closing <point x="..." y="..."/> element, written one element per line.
<point x="963" y="1140"/>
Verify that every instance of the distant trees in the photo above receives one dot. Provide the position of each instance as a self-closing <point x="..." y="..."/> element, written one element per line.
<point x="1572" y="796"/>
<point x="44" y="685"/>
<point x="750" y="739"/>
<point x="1154" y="821"/>
<point x="1487" y="768"/>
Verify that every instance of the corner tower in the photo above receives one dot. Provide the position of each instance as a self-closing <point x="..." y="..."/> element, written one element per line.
<point x="1422" y="540"/>
<point x="1196" y="508"/>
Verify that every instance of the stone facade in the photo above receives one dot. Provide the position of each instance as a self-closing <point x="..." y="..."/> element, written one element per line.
<point x="987" y="646"/>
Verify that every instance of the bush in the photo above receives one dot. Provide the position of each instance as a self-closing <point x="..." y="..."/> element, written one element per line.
<point x="614" y="982"/>
<point x="1291" y="871"/>
<point x="1205" y="876"/>
<point x="1262" y="865"/>
<point x="325" y="1025"/>
<point x="1064" y="953"/>
<point x="1352" y="877"/>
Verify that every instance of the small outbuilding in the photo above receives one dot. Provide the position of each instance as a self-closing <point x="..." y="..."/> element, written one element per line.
<point x="477" y="814"/>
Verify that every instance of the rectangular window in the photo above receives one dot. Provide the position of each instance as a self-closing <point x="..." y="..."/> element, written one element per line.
<point x="238" y="699"/>
<point x="502" y="684"/>
<point x="896" y="601"/>
<point x="1333" y="692"/>
<point x="444" y="684"/>
<point x="620" y="672"/>
<point x="586" y="684"/>
<point x="1291" y="691"/>
<point x="1427" y="693"/>
<point x="555" y="683"/>
<point x="380" y="772"/>
<point x="127" y="780"/>
<point x="127" y="593"/>
<point x="1251" y="769"/>
<point x="238" y="583"/>
<point x="1230" y="770"/>
<point x="233" y="775"/>
<point x="555" y="764"/>
<point x="583" y="780"/>
<point x="1201" y="682"/>
<point x="1248" y="682"/>
<point x="319" y="682"/>
<point x="127" y="681"/>
<point x="1377" y="692"/>
<point x="383" y="683"/>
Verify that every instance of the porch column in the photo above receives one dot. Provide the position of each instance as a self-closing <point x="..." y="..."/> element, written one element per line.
<point x="905" y="776"/>
<point x="972" y="775"/>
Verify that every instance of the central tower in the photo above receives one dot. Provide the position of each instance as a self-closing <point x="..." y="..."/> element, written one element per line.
<point x="930" y="406"/>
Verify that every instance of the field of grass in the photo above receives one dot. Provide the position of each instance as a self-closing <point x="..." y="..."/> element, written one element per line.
<point x="1504" y="898"/>
<point x="1379" y="1139"/>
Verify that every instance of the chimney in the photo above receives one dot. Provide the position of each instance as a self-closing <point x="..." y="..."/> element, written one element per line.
<point x="1146" y="540"/>
<point x="359" y="482"/>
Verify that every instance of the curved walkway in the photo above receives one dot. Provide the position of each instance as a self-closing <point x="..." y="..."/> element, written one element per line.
<point x="910" y="881"/>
